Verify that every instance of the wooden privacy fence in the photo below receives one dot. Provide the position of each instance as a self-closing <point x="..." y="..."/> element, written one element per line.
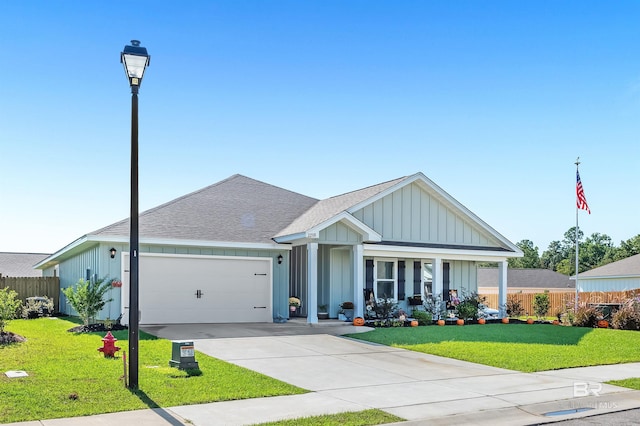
<point x="559" y="300"/>
<point x="34" y="286"/>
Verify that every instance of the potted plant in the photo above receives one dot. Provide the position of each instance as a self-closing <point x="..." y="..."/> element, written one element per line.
<point x="294" y="303"/>
<point x="322" y="312"/>
<point x="346" y="309"/>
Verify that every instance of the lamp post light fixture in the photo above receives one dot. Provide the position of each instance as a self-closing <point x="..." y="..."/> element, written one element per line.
<point x="135" y="60"/>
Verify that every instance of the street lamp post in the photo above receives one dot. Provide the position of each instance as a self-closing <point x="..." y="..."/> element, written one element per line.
<point x="135" y="60"/>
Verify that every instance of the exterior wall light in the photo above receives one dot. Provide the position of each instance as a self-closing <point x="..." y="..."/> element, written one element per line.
<point x="112" y="251"/>
<point x="279" y="259"/>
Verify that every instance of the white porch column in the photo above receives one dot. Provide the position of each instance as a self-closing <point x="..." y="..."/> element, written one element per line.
<point x="502" y="288"/>
<point x="358" y="280"/>
<point x="437" y="278"/>
<point x="312" y="283"/>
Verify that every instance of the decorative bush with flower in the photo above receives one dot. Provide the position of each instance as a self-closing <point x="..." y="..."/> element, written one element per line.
<point x="469" y="306"/>
<point x="294" y="301"/>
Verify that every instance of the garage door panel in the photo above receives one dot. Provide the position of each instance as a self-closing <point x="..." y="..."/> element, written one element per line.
<point x="232" y="289"/>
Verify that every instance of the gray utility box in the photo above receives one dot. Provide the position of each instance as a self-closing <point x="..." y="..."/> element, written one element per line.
<point x="183" y="355"/>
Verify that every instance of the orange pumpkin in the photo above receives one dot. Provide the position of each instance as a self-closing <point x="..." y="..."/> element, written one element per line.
<point x="358" y="321"/>
<point x="505" y="320"/>
<point x="460" y="322"/>
<point x="603" y="324"/>
<point x="529" y="320"/>
<point x="556" y="322"/>
<point x="440" y="322"/>
<point x="414" y="323"/>
<point x="482" y="321"/>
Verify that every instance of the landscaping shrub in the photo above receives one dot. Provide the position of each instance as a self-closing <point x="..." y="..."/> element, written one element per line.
<point x="628" y="316"/>
<point x="470" y="305"/>
<point x="87" y="298"/>
<point x="541" y="304"/>
<point x="514" y="306"/>
<point x="423" y="318"/>
<point x="384" y="312"/>
<point x="8" y="306"/>
<point x="586" y="316"/>
<point x="37" y="307"/>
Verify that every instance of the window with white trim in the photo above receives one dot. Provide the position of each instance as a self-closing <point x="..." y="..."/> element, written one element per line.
<point x="386" y="278"/>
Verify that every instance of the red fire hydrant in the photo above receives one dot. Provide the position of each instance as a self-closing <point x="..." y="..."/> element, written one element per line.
<point x="109" y="347"/>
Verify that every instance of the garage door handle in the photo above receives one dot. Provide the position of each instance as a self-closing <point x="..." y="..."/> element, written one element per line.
<point x="259" y="307"/>
<point x="261" y="274"/>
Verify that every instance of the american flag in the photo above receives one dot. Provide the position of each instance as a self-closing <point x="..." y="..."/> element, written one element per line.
<point x="581" y="200"/>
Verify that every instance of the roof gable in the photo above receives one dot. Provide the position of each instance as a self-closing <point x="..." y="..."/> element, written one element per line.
<point x="237" y="209"/>
<point x="389" y="210"/>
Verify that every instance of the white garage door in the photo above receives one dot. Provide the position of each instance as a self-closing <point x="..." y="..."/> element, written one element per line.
<point x="178" y="289"/>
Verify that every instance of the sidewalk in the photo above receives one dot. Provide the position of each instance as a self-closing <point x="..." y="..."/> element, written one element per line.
<point x="348" y="375"/>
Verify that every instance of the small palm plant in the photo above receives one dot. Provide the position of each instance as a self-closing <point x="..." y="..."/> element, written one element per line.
<point x="87" y="298"/>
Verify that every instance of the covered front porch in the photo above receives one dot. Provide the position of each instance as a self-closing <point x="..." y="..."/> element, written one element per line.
<point x="325" y="275"/>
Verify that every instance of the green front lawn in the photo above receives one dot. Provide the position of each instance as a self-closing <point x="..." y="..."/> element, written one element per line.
<point x="521" y="347"/>
<point x="356" y="418"/>
<point x="68" y="377"/>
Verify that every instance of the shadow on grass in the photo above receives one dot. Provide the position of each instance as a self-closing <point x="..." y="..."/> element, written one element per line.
<point x="500" y="333"/>
<point x="161" y="412"/>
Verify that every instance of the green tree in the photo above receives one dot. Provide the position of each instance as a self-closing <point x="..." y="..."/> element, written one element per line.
<point x="553" y="255"/>
<point x="8" y="307"/>
<point x="541" y="304"/>
<point x="531" y="259"/>
<point x="88" y="298"/>
<point x="628" y="248"/>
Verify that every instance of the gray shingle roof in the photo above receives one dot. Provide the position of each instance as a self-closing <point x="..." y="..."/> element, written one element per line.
<point x="525" y="278"/>
<point x="330" y="207"/>
<point x="237" y="209"/>
<point x="20" y="264"/>
<point x="624" y="267"/>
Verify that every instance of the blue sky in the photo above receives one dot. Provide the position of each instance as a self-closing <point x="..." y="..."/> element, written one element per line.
<point x="492" y="100"/>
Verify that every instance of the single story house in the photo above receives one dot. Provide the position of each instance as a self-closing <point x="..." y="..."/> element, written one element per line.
<point x="622" y="275"/>
<point x="20" y="264"/>
<point x="526" y="280"/>
<point x="237" y="250"/>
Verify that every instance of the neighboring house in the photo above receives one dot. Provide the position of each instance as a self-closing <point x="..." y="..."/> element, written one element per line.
<point x="20" y="264"/>
<point x="237" y="250"/>
<point x="622" y="275"/>
<point x="528" y="280"/>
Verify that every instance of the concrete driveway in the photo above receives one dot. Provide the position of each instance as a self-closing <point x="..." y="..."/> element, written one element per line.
<point x="350" y="375"/>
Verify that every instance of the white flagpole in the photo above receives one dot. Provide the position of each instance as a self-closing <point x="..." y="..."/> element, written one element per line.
<point x="576" y="236"/>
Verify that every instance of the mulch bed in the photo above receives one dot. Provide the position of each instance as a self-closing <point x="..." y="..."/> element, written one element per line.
<point x="7" y="337"/>
<point x="96" y="328"/>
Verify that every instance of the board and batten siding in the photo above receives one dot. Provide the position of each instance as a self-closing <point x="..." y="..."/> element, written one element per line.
<point x="75" y="268"/>
<point x="339" y="233"/>
<point x="413" y="215"/>
<point x="609" y="284"/>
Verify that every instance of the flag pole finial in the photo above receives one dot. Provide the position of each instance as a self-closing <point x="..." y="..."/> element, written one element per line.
<point x="577" y="163"/>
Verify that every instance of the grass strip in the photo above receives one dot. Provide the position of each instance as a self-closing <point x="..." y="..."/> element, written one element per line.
<point x="633" y="383"/>
<point x="356" y="418"/>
